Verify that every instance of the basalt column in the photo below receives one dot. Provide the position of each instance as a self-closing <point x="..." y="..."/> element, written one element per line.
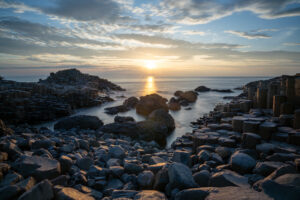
<point x="277" y="101"/>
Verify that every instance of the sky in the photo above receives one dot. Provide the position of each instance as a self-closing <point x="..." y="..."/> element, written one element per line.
<point x="163" y="37"/>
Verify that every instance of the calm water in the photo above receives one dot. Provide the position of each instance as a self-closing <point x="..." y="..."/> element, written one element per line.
<point x="166" y="87"/>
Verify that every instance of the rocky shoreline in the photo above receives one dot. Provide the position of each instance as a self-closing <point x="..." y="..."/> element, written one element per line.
<point x="246" y="149"/>
<point x="57" y="96"/>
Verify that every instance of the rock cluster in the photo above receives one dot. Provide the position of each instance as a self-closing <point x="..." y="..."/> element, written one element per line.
<point x="127" y="105"/>
<point x="236" y="151"/>
<point x="51" y="98"/>
<point x="203" y="88"/>
<point x="182" y="99"/>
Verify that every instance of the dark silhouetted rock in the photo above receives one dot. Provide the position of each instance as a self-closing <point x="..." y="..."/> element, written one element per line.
<point x="180" y="176"/>
<point x="80" y="122"/>
<point x="149" y="103"/>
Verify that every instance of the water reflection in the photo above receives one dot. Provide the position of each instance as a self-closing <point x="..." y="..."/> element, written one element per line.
<point x="150" y="86"/>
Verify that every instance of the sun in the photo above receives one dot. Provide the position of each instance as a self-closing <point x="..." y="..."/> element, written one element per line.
<point x="150" y="64"/>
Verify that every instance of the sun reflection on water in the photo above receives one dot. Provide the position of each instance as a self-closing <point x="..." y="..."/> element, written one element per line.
<point x="150" y="86"/>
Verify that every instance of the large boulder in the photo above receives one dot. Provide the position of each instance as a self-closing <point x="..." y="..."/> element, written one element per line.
<point x="152" y="130"/>
<point x="228" y="178"/>
<point x="279" y="191"/>
<point x="42" y="190"/>
<point x="124" y="128"/>
<point x="39" y="167"/>
<point x="80" y="122"/>
<point x="162" y="116"/>
<point x="202" y="88"/>
<point x="150" y="195"/>
<point x="149" y="103"/>
<point x="192" y="194"/>
<point x="130" y="102"/>
<point x="242" y="163"/>
<point x="181" y="176"/>
<point x="189" y="96"/>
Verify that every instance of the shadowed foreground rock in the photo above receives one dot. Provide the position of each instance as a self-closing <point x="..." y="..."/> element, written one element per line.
<point x="80" y="122"/>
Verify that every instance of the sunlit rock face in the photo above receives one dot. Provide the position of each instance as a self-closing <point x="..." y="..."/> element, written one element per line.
<point x="149" y="103"/>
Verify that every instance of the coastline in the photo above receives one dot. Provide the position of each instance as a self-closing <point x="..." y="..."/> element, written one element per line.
<point x="239" y="146"/>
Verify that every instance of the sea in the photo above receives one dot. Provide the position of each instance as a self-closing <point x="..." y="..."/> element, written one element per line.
<point x="165" y="86"/>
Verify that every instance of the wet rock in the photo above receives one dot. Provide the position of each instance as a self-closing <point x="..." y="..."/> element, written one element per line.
<point x="202" y="178"/>
<point x="116" y="152"/>
<point x="236" y="193"/>
<point x="42" y="190"/>
<point x="161" y="179"/>
<point x="130" y="129"/>
<point x="68" y="193"/>
<point x="288" y="179"/>
<point x="282" y="192"/>
<point x="85" y="163"/>
<point x="121" y="119"/>
<point x="188" y="96"/>
<point x="228" y="178"/>
<point x="149" y="103"/>
<point x="182" y="156"/>
<point x="65" y="163"/>
<point x="266" y="130"/>
<point x="250" y="140"/>
<point x="242" y="163"/>
<point x="130" y="194"/>
<point x="163" y="117"/>
<point x="174" y="104"/>
<point x="267" y="167"/>
<point x="192" y="194"/>
<point x="38" y="167"/>
<point x="150" y="195"/>
<point x="180" y="176"/>
<point x="80" y="121"/>
<point x="145" y="179"/>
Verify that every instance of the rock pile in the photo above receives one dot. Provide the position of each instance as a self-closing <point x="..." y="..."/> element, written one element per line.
<point x="51" y="98"/>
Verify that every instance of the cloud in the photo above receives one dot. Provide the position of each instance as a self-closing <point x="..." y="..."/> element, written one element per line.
<point x="292" y="44"/>
<point x="249" y="35"/>
<point x="204" y="11"/>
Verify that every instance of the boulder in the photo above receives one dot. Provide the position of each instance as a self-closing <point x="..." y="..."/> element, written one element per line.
<point x="182" y="156"/>
<point x="68" y="193"/>
<point x="131" y="102"/>
<point x="122" y="119"/>
<point x="250" y="140"/>
<point x="149" y="103"/>
<point x="202" y="89"/>
<point x="251" y="126"/>
<point x="180" y="176"/>
<point x="288" y="179"/>
<point x="174" y="104"/>
<point x="80" y="122"/>
<point x="145" y="179"/>
<point x="125" y="128"/>
<point x="266" y="130"/>
<point x="85" y="163"/>
<point x="189" y="96"/>
<point x="228" y="178"/>
<point x="39" y="167"/>
<point x="202" y="178"/>
<point x="279" y="191"/>
<point x="242" y="163"/>
<point x="161" y="179"/>
<point x="163" y="117"/>
<point x="116" y="152"/>
<point x="192" y="194"/>
<point x="150" y="195"/>
<point x="42" y="190"/>
<point x="267" y="167"/>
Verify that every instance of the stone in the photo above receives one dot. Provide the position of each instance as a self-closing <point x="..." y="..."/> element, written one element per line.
<point x="85" y="163"/>
<point x="174" y="104"/>
<point x="266" y="148"/>
<point x="131" y="102"/>
<point x="242" y="163"/>
<point x="203" y="156"/>
<point x="117" y="171"/>
<point x="267" y="129"/>
<point x="224" y="152"/>
<point x="236" y="193"/>
<point x="116" y="152"/>
<point x="65" y="163"/>
<point x="282" y="157"/>
<point x="189" y="96"/>
<point x="162" y="116"/>
<point x="182" y="156"/>
<point x="161" y="179"/>
<point x="39" y="167"/>
<point x="122" y="119"/>
<point x="267" y="167"/>
<point x="150" y="195"/>
<point x="96" y="171"/>
<point x="180" y="176"/>
<point x="278" y="191"/>
<point x="68" y="193"/>
<point x="114" y="184"/>
<point x="250" y="140"/>
<point x="118" y="194"/>
<point x="228" y="178"/>
<point x="202" y="178"/>
<point x="145" y="179"/>
<point x="42" y="190"/>
<point x="10" y="192"/>
<point x="132" y="168"/>
<point x="80" y="122"/>
<point x="251" y="126"/>
<point x="192" y="194"/>
<point x="277" y="101"/>
<point x="288" y="179"/>
<point x="149" y="103"/>
<point x="10" y="179"/>
<point x="202" y="89"/>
